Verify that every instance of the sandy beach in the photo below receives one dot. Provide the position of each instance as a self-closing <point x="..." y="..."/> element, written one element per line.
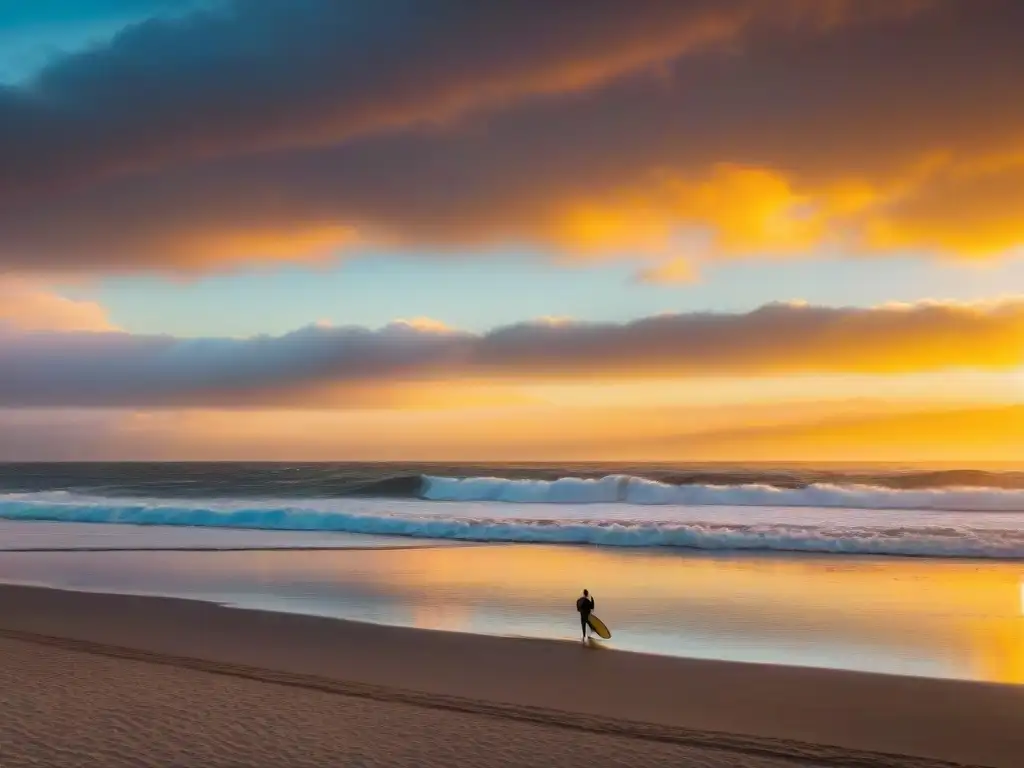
<point x="122" y="680"/>
<point x="345" y="346"/>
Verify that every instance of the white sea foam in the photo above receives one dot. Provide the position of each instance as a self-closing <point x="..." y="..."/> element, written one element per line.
<point x="804" y="528"/>
<point x="36" y="535"/>
<point x="637" y="490"/>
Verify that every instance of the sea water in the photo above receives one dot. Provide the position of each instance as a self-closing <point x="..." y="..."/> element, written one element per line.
<point x="780" y="565"/>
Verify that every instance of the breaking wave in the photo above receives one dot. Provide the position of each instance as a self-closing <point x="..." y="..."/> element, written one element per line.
<point x="411" y="481"/>
<point x="626" y="489"/>
<point x="919" y="532"/>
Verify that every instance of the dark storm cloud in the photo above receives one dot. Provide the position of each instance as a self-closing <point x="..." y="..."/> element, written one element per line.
<point x="271" y="130"/>
<point x="322" y="366"/>
<point x="251" y="75"/>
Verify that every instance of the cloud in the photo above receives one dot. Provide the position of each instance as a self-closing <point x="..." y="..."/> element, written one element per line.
<point x="407" y="363"/>
<point x="779" y="128"/>
<point x="963" y="434"/>
<point x="675" y="270"/>
<point x="806" y="431"/>
<point x="968" y="208"/>
<point x="64" y="435"/>
<point x="362" y="69"/>
<point x="27" y="306"/>
<point x="33" y="34"/>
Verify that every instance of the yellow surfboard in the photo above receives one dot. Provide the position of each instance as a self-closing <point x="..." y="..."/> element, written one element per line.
<point x="598" y="626"/>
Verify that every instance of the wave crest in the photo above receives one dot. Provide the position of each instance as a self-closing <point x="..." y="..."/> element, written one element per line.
<point x="625" y="489"/>
<point x="913" y="534"/>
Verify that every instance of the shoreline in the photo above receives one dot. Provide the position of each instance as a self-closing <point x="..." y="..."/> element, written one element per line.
<point x="439" y="543"/>
<point x="936" y="619"/>
<point x="409" y="542"/>
<point x="751" y="708"/>
<point x="600" y="645"/>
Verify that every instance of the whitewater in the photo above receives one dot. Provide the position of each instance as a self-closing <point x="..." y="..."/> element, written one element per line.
<point x="641" y="491"/>
<point x="611" y="511"/>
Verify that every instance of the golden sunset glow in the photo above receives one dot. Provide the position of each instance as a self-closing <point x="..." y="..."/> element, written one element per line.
<point x="592" y="429"/>
<point x="28" y="306"/>
<point x="960" y="616"/>
<point x="763" y="236"/>
<point x="439" y="314"/>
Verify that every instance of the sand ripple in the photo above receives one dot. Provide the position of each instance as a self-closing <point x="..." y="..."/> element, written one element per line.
<point x="63" y="707"/>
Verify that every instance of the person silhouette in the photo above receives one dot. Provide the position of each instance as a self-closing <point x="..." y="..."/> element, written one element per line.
<point x="585" y="604"/>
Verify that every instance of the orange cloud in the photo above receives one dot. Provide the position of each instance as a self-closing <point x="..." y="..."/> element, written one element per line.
<point x="27" y="306"/>
<point x="677" y="270"/>
<point x="255" y="243"/>
<point x="747" y="209"/>
<point x="964" y="434"/>
<point x="967" y="206"/>
<point x="415" y="362"/>
<point x="956" y="205"/>
<point x="340" y="89"/>
<point x="868" y="432"/>
<point x="782" y="129"/>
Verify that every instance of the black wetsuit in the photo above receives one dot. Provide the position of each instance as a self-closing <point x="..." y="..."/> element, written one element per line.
<point x="584" y="605"/>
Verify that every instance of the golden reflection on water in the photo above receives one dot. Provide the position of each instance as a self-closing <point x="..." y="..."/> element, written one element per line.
<point x="950" y="618"/>
<point x="828" y="582"/>
<point x="452" y="618"/>
<point x="961" y="613"/>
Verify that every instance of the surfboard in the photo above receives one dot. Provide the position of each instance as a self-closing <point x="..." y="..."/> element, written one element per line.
<point x="598" y="626"/>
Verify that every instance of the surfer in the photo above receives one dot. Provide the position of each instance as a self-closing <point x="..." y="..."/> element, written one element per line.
<point x="585" y="605"/>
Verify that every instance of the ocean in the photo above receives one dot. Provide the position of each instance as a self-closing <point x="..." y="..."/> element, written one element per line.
<point x="868" y="510"/>
<point x="899" y="570"/>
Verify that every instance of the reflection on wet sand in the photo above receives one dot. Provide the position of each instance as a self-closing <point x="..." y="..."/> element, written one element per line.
<point x="926" y="617"/>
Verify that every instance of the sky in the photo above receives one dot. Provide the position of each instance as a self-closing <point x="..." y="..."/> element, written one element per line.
<point x="684" y="230"/>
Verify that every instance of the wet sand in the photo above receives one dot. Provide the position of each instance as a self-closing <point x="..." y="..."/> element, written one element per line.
<point x="903" y="616"/>
<point x="91" y="679"/>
